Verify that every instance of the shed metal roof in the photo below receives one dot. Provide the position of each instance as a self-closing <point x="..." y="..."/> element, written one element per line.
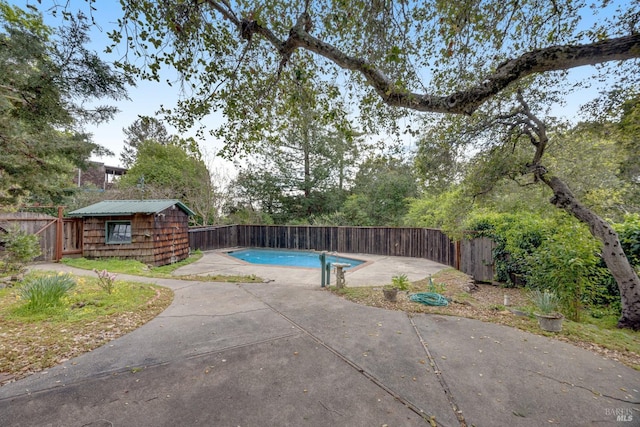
<point x="129" y="207"/>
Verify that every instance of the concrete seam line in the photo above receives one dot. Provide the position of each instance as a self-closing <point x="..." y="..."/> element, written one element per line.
<point x="410" y="405"/>
<point x="597" y="393"/>
<point x="186" y="316"/>
<point x="127" y="369"/>
<point x="436" y="370"/>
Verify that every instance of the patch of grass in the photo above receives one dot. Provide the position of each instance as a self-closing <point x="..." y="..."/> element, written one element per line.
<point x="130" y="266"/>
<point x="353" y="294"/>
<point x="136" y="268"/>
<point x="87" y="318"/>
<point x="114" y="265"/>
<point x="170" y="268"/>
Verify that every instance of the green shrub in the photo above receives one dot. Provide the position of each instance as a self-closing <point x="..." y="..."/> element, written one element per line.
<point x="40" y="293"/>
<point x="629" y="234"/>
<point x="556" y="253"/>
<point x="516" y="236"/>
<point x="400" y="282"/>
<point x="19" y="249"/>
<point x="567" y="263"/>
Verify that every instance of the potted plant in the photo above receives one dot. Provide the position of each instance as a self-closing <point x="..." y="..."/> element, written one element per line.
<point x="546" y="302"/>
<point x="390" y="293"/>
<point x="399" y="282"/>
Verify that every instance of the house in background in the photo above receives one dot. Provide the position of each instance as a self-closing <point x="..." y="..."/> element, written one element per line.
<point x="99" y="175"/>
<point x="154" y="232"/>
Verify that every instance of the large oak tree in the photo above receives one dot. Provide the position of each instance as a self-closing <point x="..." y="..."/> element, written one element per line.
<point x="392" y="58"/>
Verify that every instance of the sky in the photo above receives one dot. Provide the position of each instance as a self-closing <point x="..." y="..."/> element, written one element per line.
<point x="146" y="97"/>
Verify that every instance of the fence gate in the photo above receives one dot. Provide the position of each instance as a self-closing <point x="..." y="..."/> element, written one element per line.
<point x="71" y="236"/>
<point x="57" y="236"/>
<point x="476" y="258"/>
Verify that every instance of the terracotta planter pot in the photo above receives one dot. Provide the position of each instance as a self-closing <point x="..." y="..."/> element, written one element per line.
<point x="551" y="322"/>
<point x="390" y="294"/>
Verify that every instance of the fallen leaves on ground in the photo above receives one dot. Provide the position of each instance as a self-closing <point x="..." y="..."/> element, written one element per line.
<point x="26" y="348"/>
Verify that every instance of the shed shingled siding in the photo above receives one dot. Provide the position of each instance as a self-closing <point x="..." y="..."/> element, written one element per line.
<point x="155" y="239"/>
<point x="171" y="236"/>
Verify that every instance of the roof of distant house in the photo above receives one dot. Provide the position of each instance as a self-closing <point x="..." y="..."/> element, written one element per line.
<point x="129" y="207"/>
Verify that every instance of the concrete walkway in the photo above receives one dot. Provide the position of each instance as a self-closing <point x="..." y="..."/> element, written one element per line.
<point x="279" y="354"/>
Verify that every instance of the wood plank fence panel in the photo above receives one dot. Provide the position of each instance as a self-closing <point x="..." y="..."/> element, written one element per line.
<point x="476" y="258"/>
<point x="40" y="224"/>
<point x="209" y="238"/>
<point x="426" y="243"/>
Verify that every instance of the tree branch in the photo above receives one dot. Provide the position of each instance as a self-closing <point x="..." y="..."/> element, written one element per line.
<point x="553" y="58"/>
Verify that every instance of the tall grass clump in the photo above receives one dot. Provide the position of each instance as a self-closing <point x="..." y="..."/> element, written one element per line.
<point x="546" y="302"/>
<point x="40" y="293"/>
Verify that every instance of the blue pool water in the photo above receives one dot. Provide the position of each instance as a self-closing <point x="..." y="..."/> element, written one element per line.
<point x="289" y="258"/>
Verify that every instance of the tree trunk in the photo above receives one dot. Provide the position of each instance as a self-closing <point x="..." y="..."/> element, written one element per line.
<point x="612" y="252"/>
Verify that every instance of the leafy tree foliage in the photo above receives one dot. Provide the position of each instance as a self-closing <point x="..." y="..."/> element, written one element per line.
<point x="302" y="170"/>
<point x="46" y="75"/>
<point x="381" y="192"/>
<point x="470" y="53"/>
<point x="474" y="57"/>
<point x="143" y="129"/>
<point x="256" y="191"/>
<point x="628" y="137"/>
<point x="172" y="172"/>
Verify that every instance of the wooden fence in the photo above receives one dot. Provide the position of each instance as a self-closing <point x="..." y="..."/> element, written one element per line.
<point x="57" y="236"/>
<point x="470" y="256"/>
<point x="476" y="258"/>
<point x="215" y="237"/>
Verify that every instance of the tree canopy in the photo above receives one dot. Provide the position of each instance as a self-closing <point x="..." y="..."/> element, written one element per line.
<point x="240" y="57"/>
<point x="143" y="129"/>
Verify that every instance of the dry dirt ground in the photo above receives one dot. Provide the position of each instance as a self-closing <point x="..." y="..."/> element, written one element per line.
<point x="478" y="301"/>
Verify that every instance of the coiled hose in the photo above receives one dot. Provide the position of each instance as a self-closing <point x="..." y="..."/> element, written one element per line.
<point x="429" y="298"/>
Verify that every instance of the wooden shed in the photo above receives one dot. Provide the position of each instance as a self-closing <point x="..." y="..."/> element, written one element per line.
<point x="154" y="232"/>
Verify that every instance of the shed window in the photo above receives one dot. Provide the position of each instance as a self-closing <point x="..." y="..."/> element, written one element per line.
<point x="118" y="232"/>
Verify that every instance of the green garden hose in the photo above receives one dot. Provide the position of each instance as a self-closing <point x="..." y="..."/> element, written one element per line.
<point x="429" y="298"/>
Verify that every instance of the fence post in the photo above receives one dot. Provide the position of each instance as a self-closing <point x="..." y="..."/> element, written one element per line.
<point x="59" y="234"/>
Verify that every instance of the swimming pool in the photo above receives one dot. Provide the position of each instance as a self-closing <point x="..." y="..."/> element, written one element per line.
<point x="289" y="258"/>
